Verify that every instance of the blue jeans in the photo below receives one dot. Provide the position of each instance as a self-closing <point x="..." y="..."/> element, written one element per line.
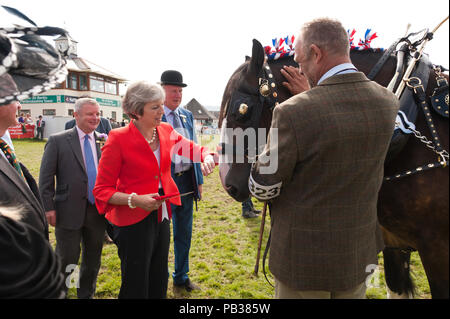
<point x="182" y="217"/>
<point x="247" y="204"/>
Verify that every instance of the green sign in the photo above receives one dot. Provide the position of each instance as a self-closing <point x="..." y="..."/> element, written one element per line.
<point x="50" y="99"/>
<point x="107" y="102"/>
<point x="43" y="99"/>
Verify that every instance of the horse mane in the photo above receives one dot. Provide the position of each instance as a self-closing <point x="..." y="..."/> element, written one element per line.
<point x="230" y="87"/>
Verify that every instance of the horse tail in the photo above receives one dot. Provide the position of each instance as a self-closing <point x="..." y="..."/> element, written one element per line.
<point x="397" y="271"/>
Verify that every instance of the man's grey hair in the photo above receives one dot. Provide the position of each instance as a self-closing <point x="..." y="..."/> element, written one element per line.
<point x="140" y="93"/>
<point x="82" y="101"/>
<point x="328" y="34"/>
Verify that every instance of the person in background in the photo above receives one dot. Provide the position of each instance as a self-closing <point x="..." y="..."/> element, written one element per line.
<point x="104" y="125"/>
<point x="40" y="126"/>
<point x="187" y="176"/>
<point x="72" y="158"/>
<point x="324" y="193"/>
<point x="248" y="210"/>
<point x="136" y="168"/>
<point x="21" y="118"/>
<point x="28" y="119"/>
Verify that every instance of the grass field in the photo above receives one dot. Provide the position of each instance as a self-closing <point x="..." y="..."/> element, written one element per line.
<point x="224" y="245"/>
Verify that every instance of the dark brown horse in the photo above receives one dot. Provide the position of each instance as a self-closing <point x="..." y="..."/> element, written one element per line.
<point x="413" y="210"/>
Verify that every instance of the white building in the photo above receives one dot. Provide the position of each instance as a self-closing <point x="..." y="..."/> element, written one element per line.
<point x="85" y="79"/>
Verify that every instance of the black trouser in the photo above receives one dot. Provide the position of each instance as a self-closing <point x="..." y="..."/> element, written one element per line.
<point x="143" y="251"/>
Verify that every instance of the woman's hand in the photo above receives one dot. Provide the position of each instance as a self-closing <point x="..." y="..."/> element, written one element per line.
<point x="209" y="164"/>
<point x="146" y="202"/>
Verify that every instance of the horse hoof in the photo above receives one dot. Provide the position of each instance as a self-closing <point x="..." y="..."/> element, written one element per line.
<point x="393" y="295"/>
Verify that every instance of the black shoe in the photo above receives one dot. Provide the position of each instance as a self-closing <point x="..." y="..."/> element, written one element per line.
<point x="256" y="211"/>
<point x="188" y="285"/>
<point x="249" y="214"/>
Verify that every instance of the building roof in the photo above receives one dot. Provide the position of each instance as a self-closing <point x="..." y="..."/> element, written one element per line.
<point x="199" y="111"/>
<point x="78" y="64"/>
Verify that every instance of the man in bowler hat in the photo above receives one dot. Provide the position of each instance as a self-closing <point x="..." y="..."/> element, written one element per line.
<point x="187" y="176"/>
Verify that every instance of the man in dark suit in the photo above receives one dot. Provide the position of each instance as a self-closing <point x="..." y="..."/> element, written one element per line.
<point x="40" y="126"/>
<point x="187" y="176"/>
<point x="331" y="144"/>
<point x="72" y="157"/>
<point x="103" y="127"/>
<point x="17" y="185"/>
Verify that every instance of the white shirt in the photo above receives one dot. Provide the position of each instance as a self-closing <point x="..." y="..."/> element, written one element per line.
<point x="338" y="69"/>
<point x="91" y="135"/>
<point x="7" y="139"/>
<point x="165" y="214"/>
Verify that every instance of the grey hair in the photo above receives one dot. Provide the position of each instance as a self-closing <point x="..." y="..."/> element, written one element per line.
<point x="82" y="101"/>
<point x="328" y="34"/>
<point x="140" y="93"/>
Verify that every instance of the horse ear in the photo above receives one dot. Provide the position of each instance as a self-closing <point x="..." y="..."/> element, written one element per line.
<point x="257" y="59"/>
<point x="247" y="58"/>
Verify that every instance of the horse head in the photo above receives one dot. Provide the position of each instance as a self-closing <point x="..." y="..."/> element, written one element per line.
<point x="245" y="116"/>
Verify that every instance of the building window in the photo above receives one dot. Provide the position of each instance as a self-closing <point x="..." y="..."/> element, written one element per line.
<point x="70" y="112"/>
<point x="111" y="87"/>
<point x="97" y="83"/>
<point x="59" y="85"/>
<point x="48" y="112"/>
<point x="72" y="81"/>
<point x="114" y="115"/>
<point x="83" y="82"/>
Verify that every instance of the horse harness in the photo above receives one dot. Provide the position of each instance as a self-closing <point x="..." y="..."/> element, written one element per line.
<point x="439" y="101"/>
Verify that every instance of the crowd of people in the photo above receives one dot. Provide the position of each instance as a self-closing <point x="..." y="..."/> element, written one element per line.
<point x="150" y="172"/>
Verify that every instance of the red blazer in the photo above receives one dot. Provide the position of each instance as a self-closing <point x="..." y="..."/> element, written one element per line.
<point x="128" y="165"/>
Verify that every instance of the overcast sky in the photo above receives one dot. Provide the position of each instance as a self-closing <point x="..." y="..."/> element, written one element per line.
<point x="208" y="40"/>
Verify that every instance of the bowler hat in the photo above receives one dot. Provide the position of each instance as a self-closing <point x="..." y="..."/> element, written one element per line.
<point x="28" y="64"/>
<point x="172" y="77"/>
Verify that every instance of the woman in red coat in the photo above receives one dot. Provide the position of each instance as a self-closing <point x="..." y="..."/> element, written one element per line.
<point x="135" y="167"/>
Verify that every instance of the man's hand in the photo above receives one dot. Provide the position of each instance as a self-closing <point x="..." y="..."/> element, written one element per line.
<point x="296" y="80"/>
<point x="200" y="190"/>
<point x="51" y="217"/>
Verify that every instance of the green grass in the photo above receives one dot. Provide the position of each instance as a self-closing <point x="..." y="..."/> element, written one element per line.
<point x="223" y="253"/>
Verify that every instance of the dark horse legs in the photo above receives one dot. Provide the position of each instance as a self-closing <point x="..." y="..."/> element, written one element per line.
<point x="436" y="266"/>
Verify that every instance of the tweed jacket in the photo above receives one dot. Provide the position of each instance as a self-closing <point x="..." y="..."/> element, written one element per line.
<point x="332" y="142"/>
<point x="63" y="159"/>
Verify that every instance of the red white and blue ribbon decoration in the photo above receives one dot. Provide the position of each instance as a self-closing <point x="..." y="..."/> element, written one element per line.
<point x="280" y="48"/>
<point x="351" y="36"/>
<point x="368" y="37"/>
<point x="284" y="47"/>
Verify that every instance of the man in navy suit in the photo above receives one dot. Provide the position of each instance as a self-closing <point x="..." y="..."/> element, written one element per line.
<point x="103" y="127"/>
<point x="187" y="176"/>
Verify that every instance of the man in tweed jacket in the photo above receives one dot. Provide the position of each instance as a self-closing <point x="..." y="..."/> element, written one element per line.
<point x="331" y="145"/>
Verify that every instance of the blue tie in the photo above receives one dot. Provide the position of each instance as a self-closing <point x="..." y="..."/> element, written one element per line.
<point x="90" y="168"/>
<point x="176" y="120"/>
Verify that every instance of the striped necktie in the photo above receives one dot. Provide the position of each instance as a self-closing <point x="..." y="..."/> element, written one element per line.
<point x="12" y="159"/>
